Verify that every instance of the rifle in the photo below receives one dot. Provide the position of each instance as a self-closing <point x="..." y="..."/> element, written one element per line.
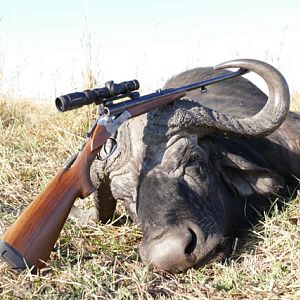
<point x="29" y="241"/>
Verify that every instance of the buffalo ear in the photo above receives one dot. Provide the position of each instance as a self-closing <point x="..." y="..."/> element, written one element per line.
<point x="246" y="178"/>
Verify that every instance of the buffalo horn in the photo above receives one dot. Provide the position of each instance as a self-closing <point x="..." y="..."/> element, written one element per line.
<point x="195" y="118"/>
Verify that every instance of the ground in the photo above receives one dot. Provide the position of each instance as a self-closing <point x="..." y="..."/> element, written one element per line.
<point x="102" y="261"/>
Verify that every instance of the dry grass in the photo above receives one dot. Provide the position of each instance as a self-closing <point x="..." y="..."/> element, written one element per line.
<point x="101" y="261"/>
<point x="295" y="103"/>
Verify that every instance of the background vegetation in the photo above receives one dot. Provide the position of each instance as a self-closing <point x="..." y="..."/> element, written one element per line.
<point x="101" y="261"/>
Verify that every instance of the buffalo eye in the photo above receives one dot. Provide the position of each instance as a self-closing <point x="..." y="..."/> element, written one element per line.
<point x="196" y="166"/>
<point x="195" y="158"/>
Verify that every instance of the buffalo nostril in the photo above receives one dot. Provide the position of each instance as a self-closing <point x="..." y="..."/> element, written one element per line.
<point x="173" y="251"/>
<point x="189" y="249"/>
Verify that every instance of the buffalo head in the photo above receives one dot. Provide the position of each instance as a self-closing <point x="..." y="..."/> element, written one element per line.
<point x="184" y="205"/>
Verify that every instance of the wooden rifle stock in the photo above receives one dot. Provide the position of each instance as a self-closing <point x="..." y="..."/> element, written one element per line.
<point x="30" y="240"/>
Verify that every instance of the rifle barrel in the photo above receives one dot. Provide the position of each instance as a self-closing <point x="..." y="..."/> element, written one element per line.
<point x="117" y="108"/>
<point x="206" y="82"/>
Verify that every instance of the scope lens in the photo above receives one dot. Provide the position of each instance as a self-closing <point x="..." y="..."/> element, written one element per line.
<point x="59" y="104"/>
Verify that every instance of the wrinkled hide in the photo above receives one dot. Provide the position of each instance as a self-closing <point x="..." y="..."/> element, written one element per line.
<point x="191" y="192"/>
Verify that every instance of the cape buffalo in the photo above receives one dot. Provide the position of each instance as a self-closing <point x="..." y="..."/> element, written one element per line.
<point x="194" y="172"/>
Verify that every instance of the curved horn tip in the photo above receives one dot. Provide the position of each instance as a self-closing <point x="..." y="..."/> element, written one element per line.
<point x="270" y="74"/>
<point x="277" y="85"/>
<point x="240" y="63"/>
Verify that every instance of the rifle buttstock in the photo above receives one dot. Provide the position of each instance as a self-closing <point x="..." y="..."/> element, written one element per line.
<point x="30" y="240"/>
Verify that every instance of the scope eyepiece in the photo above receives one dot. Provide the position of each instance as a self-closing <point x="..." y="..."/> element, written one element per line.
<point x="99" y="95"/>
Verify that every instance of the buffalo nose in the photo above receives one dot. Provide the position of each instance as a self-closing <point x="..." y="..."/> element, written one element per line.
<point x="172" y="251"/>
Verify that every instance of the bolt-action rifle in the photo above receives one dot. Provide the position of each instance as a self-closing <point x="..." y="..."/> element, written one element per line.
<point x="30" y="240"/>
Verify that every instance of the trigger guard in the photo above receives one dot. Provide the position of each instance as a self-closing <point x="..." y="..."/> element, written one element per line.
<point x="103" y="149"/>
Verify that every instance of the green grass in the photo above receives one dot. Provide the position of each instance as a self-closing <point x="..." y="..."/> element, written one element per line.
<point x="102" y="261"/>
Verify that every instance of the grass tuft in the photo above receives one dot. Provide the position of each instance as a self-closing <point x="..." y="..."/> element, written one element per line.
<point x="102" y="261"/>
